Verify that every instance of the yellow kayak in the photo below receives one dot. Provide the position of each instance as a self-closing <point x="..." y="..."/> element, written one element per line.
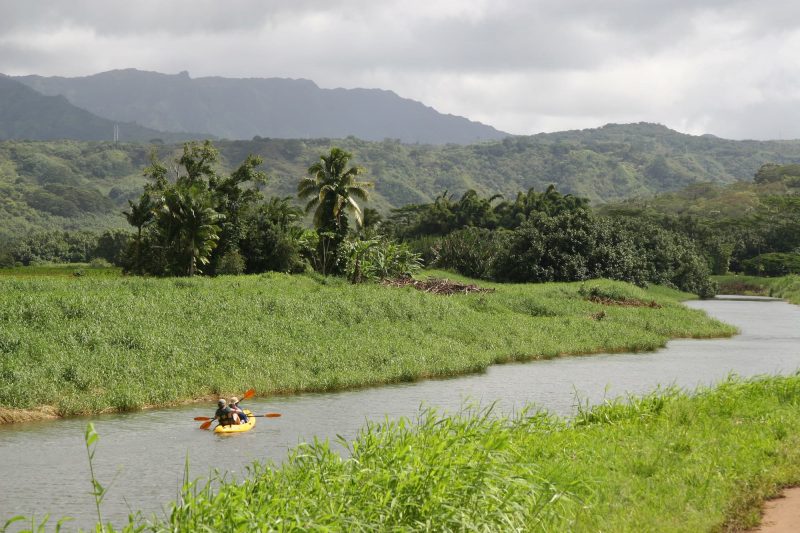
<point x="238" y="428"/>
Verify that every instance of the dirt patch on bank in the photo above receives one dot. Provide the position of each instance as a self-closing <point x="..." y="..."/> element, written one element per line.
<point x="436" y="286"/>
<point x="782" y="514"/>
<point x="624" y="302"/>
<point x="13" y="416"/>
<point x="49" y="412"/>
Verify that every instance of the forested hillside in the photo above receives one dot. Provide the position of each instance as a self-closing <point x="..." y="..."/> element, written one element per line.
<point x="82" y="185"/>
<point x="751" y="227"/>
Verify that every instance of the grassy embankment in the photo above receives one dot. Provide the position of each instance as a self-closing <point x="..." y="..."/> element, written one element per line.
<point x="786" y="287"/>
<point x="82" y="345"/>
<point x="666" y="462"/>
<point x="70" y="270"/>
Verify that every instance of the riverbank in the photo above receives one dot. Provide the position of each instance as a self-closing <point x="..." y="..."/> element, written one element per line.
<point x="79" y="345"/>
<point x="786" y="287"/>
<point x="669" y="461"/>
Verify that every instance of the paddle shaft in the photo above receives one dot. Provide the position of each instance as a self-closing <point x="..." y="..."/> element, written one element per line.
<point x="268" y="415"/>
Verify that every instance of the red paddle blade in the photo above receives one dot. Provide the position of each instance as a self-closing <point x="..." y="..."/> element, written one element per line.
<point x="272" y="415"/>
<point x="249" y="394"/>
<point x="206" y="425"/>
<point x="199" y="418"/>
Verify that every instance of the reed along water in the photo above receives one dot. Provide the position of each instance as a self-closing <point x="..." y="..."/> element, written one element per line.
<point x="45" y="467"/>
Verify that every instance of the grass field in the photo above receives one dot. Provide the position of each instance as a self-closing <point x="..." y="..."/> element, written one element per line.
<point x="69" y="270"/>
<point x="669" y="461"/>
<point x="786" y="287"/>
<point x="84" y="344"/>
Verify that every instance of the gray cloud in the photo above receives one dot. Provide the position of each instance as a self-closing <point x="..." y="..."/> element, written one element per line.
<point x="726" y="67"/>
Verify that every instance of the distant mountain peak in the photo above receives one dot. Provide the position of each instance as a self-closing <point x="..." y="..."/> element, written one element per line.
<point x="242" y="108"/>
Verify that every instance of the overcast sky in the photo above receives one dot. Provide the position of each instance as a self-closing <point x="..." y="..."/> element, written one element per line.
<point x="727" y="67"/>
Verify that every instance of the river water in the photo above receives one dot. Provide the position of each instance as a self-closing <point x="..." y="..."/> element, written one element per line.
<point x="44" y="467"/>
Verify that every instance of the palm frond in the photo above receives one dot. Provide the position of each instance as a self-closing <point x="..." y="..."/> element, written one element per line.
<point x="358" y="192"/>
<point x="356" y="210"/>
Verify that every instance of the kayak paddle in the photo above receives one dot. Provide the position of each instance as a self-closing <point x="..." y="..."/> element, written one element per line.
<point x="266" y="415"/>
<point x="207" y="424"/>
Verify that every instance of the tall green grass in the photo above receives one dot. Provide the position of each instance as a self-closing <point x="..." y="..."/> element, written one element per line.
<point x="86" y="345"/>
<point x="786" y="287"/>
<point x="669" y="461"/>
<point x="65" y="270"/>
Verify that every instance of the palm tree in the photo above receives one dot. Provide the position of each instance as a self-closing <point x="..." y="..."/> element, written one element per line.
<point x="281" y="211"/>
<point x="139" y="215"/>
<point x="333" y="190"/>
<point x="191" y="225"/>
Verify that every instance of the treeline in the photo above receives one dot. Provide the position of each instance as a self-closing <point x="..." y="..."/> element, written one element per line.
<point x="548" y="236"/>
<point x="752" y="228"/>
<point x="80" y="185"/>
<point x="191" y="219"/>
<point x="107" y="248"/>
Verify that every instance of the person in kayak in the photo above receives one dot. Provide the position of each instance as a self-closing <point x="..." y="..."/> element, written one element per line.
<point x="224" y="414"/>
<point x="234" y="404"/>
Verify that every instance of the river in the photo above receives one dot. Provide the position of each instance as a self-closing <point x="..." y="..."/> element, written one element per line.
<point x="45" y="470"/>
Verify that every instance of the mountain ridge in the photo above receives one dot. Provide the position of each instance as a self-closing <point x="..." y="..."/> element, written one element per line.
<point x="27" y="114"/>
<point x="243" y="108"/>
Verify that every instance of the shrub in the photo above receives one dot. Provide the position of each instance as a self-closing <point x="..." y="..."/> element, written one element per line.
<point x="377" y="258"/>
<point x="576" y="245"/>
<point x="470" y="251"/>
<point x="232" y="263"/>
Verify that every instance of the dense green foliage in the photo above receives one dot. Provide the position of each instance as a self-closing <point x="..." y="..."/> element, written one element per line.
<point x="733" y="224"/>
<point x="200" y="221"/>
<point x="64" y="270"/>
<point x="548" y="236"/>
<point x="578" y="246"/>
<point x="133" y="342"/>
<point x="668" y="461"/>
<point x="375" y="258"/>
<point x="609" y="163"/>
<point x="67" y="247"/>
<point x="773" y="264"/>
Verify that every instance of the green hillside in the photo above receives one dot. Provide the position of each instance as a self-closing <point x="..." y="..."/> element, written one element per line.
<point x="772" y="184"/>
<point x="27" y="114"/>
<point x="84" y="185"/>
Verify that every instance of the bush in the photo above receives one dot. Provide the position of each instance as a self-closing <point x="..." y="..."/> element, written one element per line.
<point x="547" y="248"/>
<point x="470" y="251"/>
<point x="425" y="247"/>
<point x="576" y="245"/>
<point x="232" y="263"/>
<point x="377" y="258"/>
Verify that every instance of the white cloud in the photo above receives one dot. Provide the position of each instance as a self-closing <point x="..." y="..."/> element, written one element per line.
<point x="728" y="67"/>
